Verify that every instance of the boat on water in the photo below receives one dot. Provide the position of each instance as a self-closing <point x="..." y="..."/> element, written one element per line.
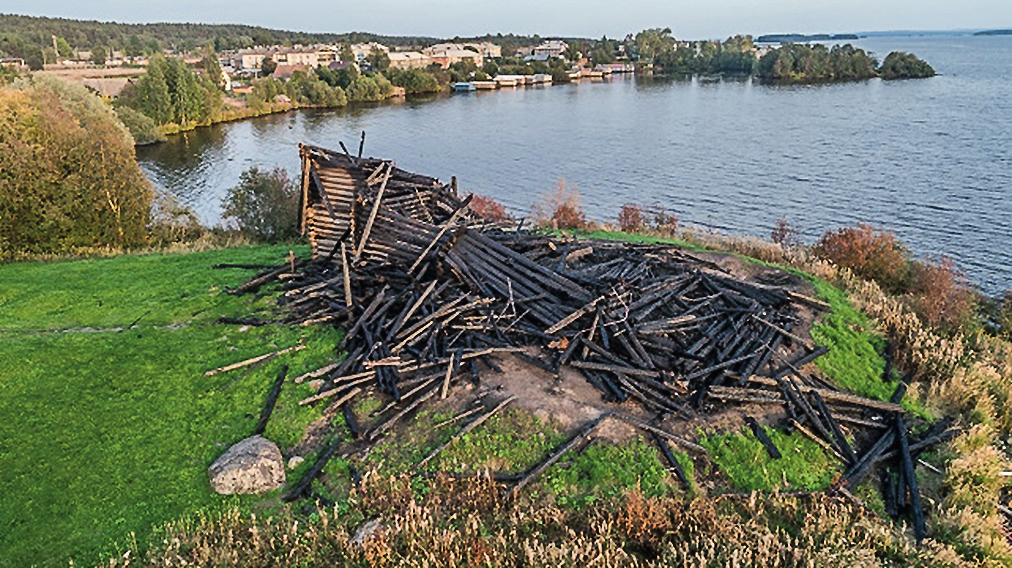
<point x="464" y="87"/>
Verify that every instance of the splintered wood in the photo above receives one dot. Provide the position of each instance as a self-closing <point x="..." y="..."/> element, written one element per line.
<point x="428" y="293"/>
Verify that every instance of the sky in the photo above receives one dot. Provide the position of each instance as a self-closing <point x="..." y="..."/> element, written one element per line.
<point x="688" y="19"/>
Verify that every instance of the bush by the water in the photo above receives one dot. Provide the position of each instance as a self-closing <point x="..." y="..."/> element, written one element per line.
<point x="141" y="127"/>
<point x="560" y="209"/>
<point x="872" y="254"/>
<point x="68" y="175"/>
<point x="489" y="209"/>
<point x="265" y="205"/>
<point x="630" y="218"/>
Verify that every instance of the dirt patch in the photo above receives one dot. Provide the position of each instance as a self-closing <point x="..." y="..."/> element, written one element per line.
<point x="568" y="401"/>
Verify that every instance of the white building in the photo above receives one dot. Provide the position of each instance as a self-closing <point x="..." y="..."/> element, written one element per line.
<point x="551" y="48"/>
<point x="362" y="50"/>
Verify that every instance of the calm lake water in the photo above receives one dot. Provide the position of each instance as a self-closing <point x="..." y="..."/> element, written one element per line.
<point x="929" y="159"/>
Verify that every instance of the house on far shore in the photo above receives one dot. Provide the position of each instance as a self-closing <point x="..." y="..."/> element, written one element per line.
<point x="409" y="60"/>
<point x="551" y="48"/>
<point x="286" y="71"/>
<point x="446" y="54"/>
<point x="362" y="50"/>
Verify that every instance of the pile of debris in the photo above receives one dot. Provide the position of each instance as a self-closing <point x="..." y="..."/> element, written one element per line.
<point x="428" y="293"/>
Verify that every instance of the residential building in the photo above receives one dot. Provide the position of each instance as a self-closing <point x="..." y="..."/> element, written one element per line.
<point x="551" y="48"/>
<point x="310" y="56"/>
<point x="446" y="54"/>
<point x="409" y="60"/>
<point x="362" y="50"/>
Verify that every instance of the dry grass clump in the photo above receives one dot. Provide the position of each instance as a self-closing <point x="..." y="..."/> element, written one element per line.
<point x="560" y="208"/>
<point x="762" y="531"/>
<point x="489" y="209"/>
<point x="968" y="518"/>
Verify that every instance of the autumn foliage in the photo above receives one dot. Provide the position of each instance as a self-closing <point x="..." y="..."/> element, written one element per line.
<point x="68" y="176"/>
<point x="871" y="254"/>
<point x="630" y="218"/>
<point x="561" y="209"/>
<point x="488" y="209"/>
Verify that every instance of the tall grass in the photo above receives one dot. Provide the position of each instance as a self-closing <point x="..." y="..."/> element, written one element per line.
<point x="465" y="524"/>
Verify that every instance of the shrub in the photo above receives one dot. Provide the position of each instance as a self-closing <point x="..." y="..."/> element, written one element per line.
<point x="489" y="209"/>
<point x="265" y="205"/>
<point x="560" y="209"/>
<point x="665" y="223"/>
<point x="941" y="296"/>
<point x="68" y="175"/>
<point x="785" y="234"/>
<point x="630" y="218"/>
<point x="172" y="222"/>
<point x="871" y="254"/>
<point x="1005" y="317"/>
<point x="143" y="129"/>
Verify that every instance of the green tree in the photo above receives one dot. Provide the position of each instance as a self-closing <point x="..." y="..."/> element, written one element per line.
<point x="98" y="55"/>
<point x="134" y="46"/>
<point x="171" y="92"/>
<point x="68" y="174"/>
<point x="900" y="65"/>
<point x="346" y="54"/>
<point x="378" y="59"/>
<point x="63" y="48"/>
<point x="267" y="67"/>
<point x="413" y="81"/>
<point x="652" y="42"/>
<point x="364" y="89"/>
<point x="265" y="205"/>
<point x="213" y="70"/>
<point x="141" y="127"/>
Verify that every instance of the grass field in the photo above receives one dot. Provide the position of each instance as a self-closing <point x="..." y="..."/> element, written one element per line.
<point x="106" y="430"/>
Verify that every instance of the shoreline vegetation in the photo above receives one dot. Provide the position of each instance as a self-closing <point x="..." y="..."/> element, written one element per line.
<point x="185" y="87"/>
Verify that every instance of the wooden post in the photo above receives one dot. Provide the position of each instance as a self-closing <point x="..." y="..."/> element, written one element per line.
<point x="372" y="214"/>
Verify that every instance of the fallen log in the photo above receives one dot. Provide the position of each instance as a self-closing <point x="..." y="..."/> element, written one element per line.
<point x="540" y="468"/>
<point x="763" y="437"/>
<point x="463" y="431"/>
<point x="272" y="399"/>
<point x="261" y="358"/>
<point x="910" y="476"/>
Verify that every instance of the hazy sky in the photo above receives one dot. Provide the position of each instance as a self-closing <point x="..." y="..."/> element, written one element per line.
<point x="696" y="19"/>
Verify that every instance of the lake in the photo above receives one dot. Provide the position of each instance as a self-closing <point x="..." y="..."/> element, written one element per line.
<point x="928" y="159"/>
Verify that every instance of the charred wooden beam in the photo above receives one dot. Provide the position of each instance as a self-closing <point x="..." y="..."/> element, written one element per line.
<point x="272" y="400"/>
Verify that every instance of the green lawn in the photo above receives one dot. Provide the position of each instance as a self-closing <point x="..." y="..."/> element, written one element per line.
<point x="105" y="433"/>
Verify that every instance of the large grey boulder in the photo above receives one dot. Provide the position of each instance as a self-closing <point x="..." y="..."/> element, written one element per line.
<point x="254" y="465"/>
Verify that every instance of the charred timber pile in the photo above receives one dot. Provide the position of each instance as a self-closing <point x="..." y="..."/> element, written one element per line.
<point x="428" y="295"/>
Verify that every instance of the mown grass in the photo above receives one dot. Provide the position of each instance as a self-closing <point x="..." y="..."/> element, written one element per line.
<point x="605" y="471"/>
<point x="742" y="459"/>
<point x="106" y="433"/>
